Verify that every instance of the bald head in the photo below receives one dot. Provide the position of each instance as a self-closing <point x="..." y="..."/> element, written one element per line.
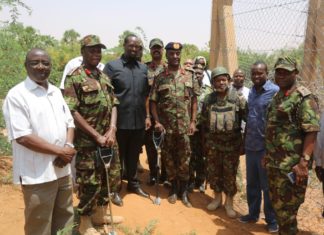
<point x="36" y="51"/>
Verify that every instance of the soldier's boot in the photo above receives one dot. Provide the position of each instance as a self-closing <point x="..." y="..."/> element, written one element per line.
<point x="184" y="193"/>
<point x="172" y="198"/>
<point x="216" y="202"/>
<point x="100" y="217"/>
<point x="86" y="227"/>
<point x="229" y="207"/>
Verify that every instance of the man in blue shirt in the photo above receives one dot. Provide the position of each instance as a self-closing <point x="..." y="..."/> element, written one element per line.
<point x="259" y="97"/>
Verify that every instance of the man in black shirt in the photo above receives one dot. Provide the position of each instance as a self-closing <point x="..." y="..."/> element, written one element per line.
<point x="129" y="78"/>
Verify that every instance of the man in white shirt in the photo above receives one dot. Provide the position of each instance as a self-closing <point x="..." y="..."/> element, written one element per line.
<point x="72" y="64"/>
<point x="41" y="130"/>
<point x="238" y="83"/>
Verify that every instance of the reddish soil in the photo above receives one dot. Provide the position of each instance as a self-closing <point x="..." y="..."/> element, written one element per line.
<point x="170" y="219"/>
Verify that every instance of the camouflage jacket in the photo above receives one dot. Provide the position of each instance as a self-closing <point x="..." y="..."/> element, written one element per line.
<point x="93" y="99"/>
<point x="204" y="91"/>
<point x="153" y="70"/>
<point x="289" y="117"/>
<point x="173" y="92"/>
<point x="223" y="117"/>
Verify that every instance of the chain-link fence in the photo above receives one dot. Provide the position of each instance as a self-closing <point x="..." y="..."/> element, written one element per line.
<point x="266" y="30"/>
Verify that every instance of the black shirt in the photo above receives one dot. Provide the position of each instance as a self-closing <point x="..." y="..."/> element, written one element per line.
<point x="129" y="79"/>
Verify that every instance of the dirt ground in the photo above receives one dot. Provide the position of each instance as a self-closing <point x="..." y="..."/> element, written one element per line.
<point x="169" y="219"/>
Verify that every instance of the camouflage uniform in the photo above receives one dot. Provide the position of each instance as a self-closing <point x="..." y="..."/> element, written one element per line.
<point x="197" y="166"/>
<point x="290" y="116"/>
<point x="222" y="134"/>
<point x="152" y="71"/>
<point x="93" y="98"/>
<point x="172" y="93"/>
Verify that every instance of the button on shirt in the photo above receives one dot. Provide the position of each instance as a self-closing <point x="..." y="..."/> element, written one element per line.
<point x="130" y="82"/>
<point x="256" y="120"/>
<point x="31" y="109"/>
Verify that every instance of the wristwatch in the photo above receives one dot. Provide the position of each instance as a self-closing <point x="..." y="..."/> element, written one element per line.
<point x="69" y="144"/>
<point x="306" y="157"/>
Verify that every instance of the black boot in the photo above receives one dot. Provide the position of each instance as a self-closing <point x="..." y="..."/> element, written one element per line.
<point x="184" y="193"/>
<point x="172" y="198"/>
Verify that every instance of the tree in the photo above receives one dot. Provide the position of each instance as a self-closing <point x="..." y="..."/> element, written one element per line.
<point x="70" y="36"/>
<point x="14" y="6"/>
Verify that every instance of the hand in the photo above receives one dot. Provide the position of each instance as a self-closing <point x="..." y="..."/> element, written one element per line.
<point x="301" y="171"/>
<point x="159" y="127"/>
<point x="192" y="128"/>
<point x="66" y="154"/>
<point x="319" y="173"/>
<point x="101" y="140"/>
<point x="110" y="137"/>
<point x="58" y="162"/>
<point x="148" y="123"/>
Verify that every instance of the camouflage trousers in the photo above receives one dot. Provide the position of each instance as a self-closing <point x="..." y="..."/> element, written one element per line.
<point x="286" y="199"/>
<point x="223" y="160"/>
<point x="197" y="168"/>
<point x="176" y="155"/>
<point x="92" y="180"/>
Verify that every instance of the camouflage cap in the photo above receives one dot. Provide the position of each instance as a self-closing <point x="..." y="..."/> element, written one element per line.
<point x="286" y="63"/>
<point x="219" y="71"/>
<point x="173" y="46"/>
<point x="156" y="42"/>
<point x="198" y="66"/>
<point x="91" y="40"/>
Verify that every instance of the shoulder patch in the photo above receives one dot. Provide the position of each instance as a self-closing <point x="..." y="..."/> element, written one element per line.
<point x="303" y="91"/>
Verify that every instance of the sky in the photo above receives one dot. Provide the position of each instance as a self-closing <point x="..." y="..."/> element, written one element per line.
<point x="186" y="21"/>
<point x="260" y="25"/>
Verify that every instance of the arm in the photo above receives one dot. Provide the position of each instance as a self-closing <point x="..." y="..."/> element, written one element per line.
<point x="194" y="105"/>
<point x="40" y="145"/>
<point x="89" y="130"/>
<point x="148" y="117"/>
<point x="158" y="126"/>
<point x="111" y="133"/>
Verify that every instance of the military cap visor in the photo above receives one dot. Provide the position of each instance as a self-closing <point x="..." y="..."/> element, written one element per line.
<point x="91" y="40"/>
<point x="156" y="42"/>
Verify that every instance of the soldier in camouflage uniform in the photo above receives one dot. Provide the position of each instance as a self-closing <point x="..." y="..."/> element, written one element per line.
<point x="90" y="97"/>
<point x="197" y="168"/>
<point x="174" y="105"/>
<point x="154" y="67"/>
<point x="222" y="114"/>
<point x="292" y="126"/>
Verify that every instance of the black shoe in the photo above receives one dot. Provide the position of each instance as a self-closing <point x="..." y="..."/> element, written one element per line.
<point x="139" y="192"/>
<point x="191" y="187"/>
<point x="185" y="199"/>
<point x="117" y="200"/>
<point x="202" y="188"/>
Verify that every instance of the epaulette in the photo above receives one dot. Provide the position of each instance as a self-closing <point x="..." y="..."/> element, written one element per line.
<point x="303" y="91"/>
<point x="73" y="71"/>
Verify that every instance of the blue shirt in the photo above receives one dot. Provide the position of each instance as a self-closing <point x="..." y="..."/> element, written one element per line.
<point x="257" y="113"/>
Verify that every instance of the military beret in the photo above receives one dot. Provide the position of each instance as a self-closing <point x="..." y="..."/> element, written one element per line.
<point x="156" y="42"/>
<point x="286" y="63"/>
<point x="173" y="46"/>
<point x="91" y="40"/>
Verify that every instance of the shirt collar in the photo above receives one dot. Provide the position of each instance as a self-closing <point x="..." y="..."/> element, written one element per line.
<point x="266" y="86"/>
<point x="31" y="85"/>
<point x="127" y="61"/>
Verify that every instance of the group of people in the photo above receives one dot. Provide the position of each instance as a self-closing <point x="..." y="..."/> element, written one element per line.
<point x="209" y="117"/>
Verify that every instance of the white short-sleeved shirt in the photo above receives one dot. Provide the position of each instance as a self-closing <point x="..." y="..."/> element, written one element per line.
<point x="245" y="91"/>
<point x="72" y="64"/>
<point x="31" y="109"/>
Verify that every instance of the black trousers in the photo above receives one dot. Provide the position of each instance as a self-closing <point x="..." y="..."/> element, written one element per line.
<point x="130" y="143"/>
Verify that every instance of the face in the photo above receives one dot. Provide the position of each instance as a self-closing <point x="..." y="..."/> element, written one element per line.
<point x="173" y="57"/>
<point x="38" y="65"/>
<point x="259" y="75"/>
<point x="91" y="55"/>
<point x="156" y="52"/>
<point x="199" y="74"/>
<point x="285" y="79"/>
<point x="201" y="62"/>
<point x="131" y="47"/>
<point x="220" y="83"/>
<point x="238" y="78"/>
<point x="188" y="63"/>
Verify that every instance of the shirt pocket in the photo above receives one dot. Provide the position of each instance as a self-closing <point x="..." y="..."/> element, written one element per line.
<point x="164" y="91"/>
<point x="91" y="92"/>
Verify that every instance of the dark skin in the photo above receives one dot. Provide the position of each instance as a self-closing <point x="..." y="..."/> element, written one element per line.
<point x="259" y="76"/>
<point x="91" y="58"/>
<point x="199" y="76"/>
<point x="38" y="67"/>
<point x="131" y="48"/>
<point x="174" y="57"/>
<point x="238" y="78"/>
<point x="156" y="54"/>
<point x="286" y="80"/>
<point x="220" y="84"/>
<point x="201" y="62"/>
